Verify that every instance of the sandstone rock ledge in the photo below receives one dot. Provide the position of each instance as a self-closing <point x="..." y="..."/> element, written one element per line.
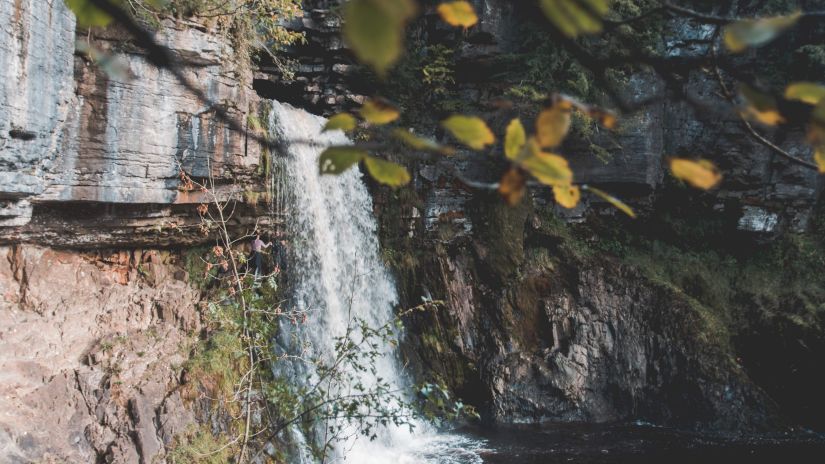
<point x="91" y="349"/>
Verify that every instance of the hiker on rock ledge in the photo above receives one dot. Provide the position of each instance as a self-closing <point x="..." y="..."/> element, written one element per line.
<point x="257" y="257"/>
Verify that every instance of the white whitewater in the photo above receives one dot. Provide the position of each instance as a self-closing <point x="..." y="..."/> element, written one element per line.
<point x="336" y="273"/>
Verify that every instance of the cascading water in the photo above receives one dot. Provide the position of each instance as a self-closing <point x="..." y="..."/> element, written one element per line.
<point x="336" y="274"/>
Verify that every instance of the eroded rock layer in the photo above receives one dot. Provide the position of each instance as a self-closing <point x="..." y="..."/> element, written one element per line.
<point x="77" y="136"/>
<point x="92" y="348"/>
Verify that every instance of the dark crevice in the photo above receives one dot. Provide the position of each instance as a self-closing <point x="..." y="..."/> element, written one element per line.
<point x="21" y="134"/>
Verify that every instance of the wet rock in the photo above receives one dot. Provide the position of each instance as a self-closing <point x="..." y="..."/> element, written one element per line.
<point x="756" y="219"/>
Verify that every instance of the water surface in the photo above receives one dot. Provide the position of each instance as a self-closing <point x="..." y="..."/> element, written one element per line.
<point x="601" y="444"/>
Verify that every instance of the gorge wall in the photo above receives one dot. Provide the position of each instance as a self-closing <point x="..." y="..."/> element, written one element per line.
<point x="92" y="157"/>
<point x="92" y="354"/>
<point x="539" y="321"/>
<point x="538" y="314"/>
<point x="99" y="313"/>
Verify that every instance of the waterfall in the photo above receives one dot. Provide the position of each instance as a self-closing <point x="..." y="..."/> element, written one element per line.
<point x="336" y="274"/>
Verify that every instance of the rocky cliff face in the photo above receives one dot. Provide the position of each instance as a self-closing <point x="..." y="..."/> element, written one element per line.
<point x="549" y="322"/>
<point x="92" y="347"/>
<point x="92" y="343"/>
<point x="537" y="323"/>
<point x="91" y="157"/>
<point x="535" y="328"/>
<point x="766" y="192"/>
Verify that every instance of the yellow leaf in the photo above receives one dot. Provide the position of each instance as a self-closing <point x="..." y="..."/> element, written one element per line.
<point x="335" y="160"/>
<point x="512" y="186"/>
<point x="386" y="172"/>
<point x="819" y="157"/>
<point x="470" y="131"/>
<point x="514" y="139"/>
<point x="549" y="169"/>
<point x="620" y="205"/>
<point x="807" y="92"/>
<point x="379" y="111"/>
<point x="768" y="118"/>
<point x="761" y="106"/>
<point x="605" y="118"/>
<point x="552" y="125"/>
<point x="701" y="174"/>
<point x="567" y="195"/>
<point x="374" y="30"/>
<point x="344" y="121"/>
<point x="420" y="143"/>
<point x="458" y="14"/>
<point x="576" y="17"/>
<point x="756" y="32"/>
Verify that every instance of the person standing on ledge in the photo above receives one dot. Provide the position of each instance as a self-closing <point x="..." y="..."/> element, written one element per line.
<point x="258" y="245"/>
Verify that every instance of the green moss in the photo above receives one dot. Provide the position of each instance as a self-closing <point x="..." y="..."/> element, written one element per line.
<point x="217" y="363"/>
<point x="502" y="227"/>
<point x="437" y="70"/>
<point x="728" y="287"/>
<point x="257" y="126"/>
<point x="446" y="366"/>
<point x="569" y="239"/>
<point x="541" y="69"/>
<point x="195" y="266"/>
<point x="199" y="445"/>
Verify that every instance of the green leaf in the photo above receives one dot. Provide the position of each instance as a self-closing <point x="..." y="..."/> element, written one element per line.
<point x="807" y="92"/>
<point x="335" y="160"/>
<point x="89" y="15"/>
<point x="514" y="139"/>
<point x="420" y="143"/>
<point x="576" y="17"/>
<point x="458" y="14"/>
<point x="622" y="206"/>
<point x="470" y="131"/>
<point x="379" y="112"/>
<point x="343" y="121"/>
<point x="386" y="172"/>
<point x="756" y="32"/>
<point x="115" y="66"/>
<point x="374" y="30"/>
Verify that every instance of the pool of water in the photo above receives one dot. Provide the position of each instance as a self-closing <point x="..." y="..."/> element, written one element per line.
<point x="636" y="443"/>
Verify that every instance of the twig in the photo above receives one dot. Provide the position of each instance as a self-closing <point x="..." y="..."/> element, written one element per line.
<point x="721" y="20"/>
<point x="756" y="135"/>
